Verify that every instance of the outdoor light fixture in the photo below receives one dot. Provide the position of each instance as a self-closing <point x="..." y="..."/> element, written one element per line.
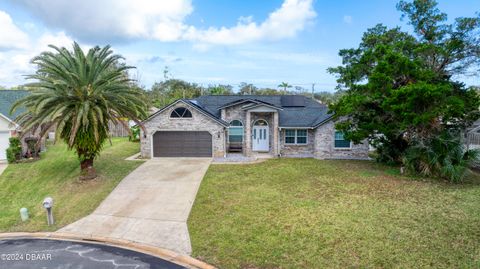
<point x="48" y="204"/>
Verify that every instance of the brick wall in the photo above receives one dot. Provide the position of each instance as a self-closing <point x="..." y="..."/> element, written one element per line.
<point x="235" y="113"/>
<point x="325" y="145"/>
<point x="198" y="122"/>
<point x="287" y="150"/>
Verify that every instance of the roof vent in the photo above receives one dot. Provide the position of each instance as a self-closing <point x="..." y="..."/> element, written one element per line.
<point x="293" y="100"/>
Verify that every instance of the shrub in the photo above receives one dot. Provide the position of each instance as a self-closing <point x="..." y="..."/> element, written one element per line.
<point x="10" y="155"/>
<point x="14" y="151"/>
<point x="134" y="134"/>
<point x="444" y="156"/>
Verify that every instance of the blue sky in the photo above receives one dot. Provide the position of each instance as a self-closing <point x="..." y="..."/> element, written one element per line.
<point x="204" y="41"/>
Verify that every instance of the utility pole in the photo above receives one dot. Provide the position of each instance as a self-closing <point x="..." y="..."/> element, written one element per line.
<point x="250" y="87"/>
<point x="313" y="90"/>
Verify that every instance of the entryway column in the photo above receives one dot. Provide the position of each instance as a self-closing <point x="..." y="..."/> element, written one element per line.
<point x="276" y="150"/>
<point x="248" y="135"/>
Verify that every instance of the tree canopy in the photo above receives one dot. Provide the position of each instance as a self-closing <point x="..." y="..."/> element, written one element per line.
<point x="169" y="90"/>
<point x="400" y="88"/>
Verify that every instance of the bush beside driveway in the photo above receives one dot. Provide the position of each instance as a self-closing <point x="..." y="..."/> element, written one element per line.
<point x="56" y="174"/>
<point x="305" y="213"/>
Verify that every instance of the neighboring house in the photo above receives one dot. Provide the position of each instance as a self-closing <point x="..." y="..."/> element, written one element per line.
<point x="281" y="125"/>
<point x="7" y="130"/>
<point x="8" y="127"/>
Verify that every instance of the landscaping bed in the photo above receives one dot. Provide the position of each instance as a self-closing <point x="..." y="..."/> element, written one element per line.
<point x="56" y="174"/>
<point x="306" y="213"/>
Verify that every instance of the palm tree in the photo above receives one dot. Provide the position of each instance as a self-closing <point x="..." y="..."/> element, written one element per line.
<point x="284" y="85"/>
<point x="78" y="94"/>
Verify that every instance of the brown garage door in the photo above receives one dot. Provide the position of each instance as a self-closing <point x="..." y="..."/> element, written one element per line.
<point x="182" y="144"/>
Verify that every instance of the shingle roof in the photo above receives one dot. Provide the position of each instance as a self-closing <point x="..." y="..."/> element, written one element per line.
<point x="311" y="115"/>
<point x="245" y="100"/>
<point x="8" y="98"/>
<point x="192" y="103"/>
<point x="195" y="104"/>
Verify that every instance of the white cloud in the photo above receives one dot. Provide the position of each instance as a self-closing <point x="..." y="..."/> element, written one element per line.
<point x="109" y="20"/>
<point x="284" y="22"/>
<point x="59" y="39"/>
<point x="17" y="49"/>
<point x="347" y="19"/>
<point x="112" y="20"/>
<point x="11" y="36"/>
<point x="15" y="64"/>
<point x="127" y="20"/>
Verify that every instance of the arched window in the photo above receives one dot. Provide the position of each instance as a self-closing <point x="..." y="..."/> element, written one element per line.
<point x="236" y="123"/>
<point x="260" y="123"/>
<point x="181" y="112"/>
<point x="235" y="132"/>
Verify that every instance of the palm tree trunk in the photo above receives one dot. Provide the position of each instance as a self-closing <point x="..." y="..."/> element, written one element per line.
<point x="87" y="171"/>
<point x="86" y="163"/>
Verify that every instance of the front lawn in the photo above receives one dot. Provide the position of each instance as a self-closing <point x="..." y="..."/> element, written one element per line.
<point x="305" y="213"/>
<point x="56" y="175"/>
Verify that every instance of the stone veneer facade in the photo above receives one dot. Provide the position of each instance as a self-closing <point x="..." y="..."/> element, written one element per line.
<point x="325" y="145"/>
<point x="198" y="122"/>
<point x="298" y="150"/>
<point x="237" y="113"/>
<point x="320" y="141"/>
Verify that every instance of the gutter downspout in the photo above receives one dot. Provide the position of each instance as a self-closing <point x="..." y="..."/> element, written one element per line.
<point x="225" y="142"/>
<point x="278" y="142"/>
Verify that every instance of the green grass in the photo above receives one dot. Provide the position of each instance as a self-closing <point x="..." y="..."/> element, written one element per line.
<point x="56" y="174"/>
<point x="305" y="213"/>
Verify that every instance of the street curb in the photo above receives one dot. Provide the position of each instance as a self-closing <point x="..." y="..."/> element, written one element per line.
<point x="165" y="254"/>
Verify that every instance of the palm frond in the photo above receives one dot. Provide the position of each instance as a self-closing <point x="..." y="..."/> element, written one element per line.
<point x="79" y="93"/>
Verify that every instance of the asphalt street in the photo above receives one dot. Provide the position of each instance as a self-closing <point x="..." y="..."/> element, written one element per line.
<point x="57" y="254"/>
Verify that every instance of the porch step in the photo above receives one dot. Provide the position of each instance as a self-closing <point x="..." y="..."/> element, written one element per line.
<point x="235" y="148"/>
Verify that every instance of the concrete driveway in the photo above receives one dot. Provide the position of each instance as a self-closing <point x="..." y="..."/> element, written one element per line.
<point x="151" y="205"/>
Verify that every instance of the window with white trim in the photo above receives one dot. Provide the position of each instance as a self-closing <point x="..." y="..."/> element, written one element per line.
<point x="296" y="136"/>
<point x="340" y="141"/>
<point x="235" y="132"/>
<point x="181" y="112"/>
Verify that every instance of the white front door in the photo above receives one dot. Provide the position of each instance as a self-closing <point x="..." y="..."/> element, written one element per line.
<point x="260" y="140"/>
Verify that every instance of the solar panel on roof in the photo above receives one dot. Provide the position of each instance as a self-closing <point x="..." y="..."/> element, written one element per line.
<point x="293" y="101"/>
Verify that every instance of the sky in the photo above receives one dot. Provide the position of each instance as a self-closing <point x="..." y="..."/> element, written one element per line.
<point x="204" y="41"/>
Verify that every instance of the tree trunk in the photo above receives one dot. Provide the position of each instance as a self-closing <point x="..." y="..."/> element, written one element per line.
<point x="87" y="171"/>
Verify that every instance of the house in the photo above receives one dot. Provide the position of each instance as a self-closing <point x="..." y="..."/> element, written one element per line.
<point x="8" y="127"/>
<point x="276" y="126"/>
